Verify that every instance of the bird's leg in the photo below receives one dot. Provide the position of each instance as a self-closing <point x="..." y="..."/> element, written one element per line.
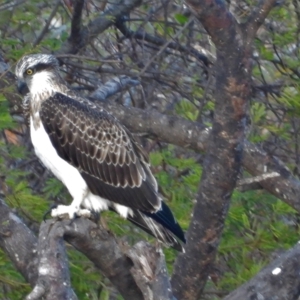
<point x="73" y="210"/>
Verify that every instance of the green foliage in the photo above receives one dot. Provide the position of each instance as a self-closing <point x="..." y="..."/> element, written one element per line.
<point x="258" y="226"/>
<point x="181" y="19"/>
<point x="12" y="284"/>
<point x="6" y="120"/>
<point x="187" y="110"/>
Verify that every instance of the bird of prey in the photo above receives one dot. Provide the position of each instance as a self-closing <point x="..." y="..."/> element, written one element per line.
<point x="94" y="156"/>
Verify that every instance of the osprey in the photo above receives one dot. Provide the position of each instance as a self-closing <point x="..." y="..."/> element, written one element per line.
<point x="95" y="157"/>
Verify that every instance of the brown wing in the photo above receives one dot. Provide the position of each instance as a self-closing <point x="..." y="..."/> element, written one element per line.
<point x="104" y="152"/>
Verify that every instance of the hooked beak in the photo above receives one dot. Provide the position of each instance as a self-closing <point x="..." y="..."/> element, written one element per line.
<point x="22" y="88"/>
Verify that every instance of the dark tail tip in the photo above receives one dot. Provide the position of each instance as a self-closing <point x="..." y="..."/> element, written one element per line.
<point x="161" y="225"/>
<point x="166" y="218"/>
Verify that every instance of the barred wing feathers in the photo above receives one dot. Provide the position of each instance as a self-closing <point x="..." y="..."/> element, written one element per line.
<point x="102" y="150"/>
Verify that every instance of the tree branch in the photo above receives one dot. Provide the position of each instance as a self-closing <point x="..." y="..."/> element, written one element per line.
<point x="53" y="281"/>
<point x="101" y="247"/>
<point x="19" y="243"/>
<point x="11" y="4"/>
<point x="218" y="22"/>
<point x="224" y="149"/>
<point x="112" y="13"/>
<point x="279" y="280"/>
<point x="150" y="271"/>
<point x="141" y="35"/>
<point x="193" y="135"/>
<point x="76" y="25"/>
<point x="137" y="272"/>
<point x="257" y="17"/>
<point x="46" y="27"/>
<point x="112" y="87"/>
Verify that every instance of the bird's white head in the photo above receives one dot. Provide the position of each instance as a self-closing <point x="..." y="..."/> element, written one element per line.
<point x="40" y="74"/>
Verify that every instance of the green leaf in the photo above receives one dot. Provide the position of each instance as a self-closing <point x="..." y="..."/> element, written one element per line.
<point x="181" y="19"/>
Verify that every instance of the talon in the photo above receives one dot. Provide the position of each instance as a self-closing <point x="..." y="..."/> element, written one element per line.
<point x="63" y="211"/>
<point x="49" y="211"/>
<point x="95" y="216"/>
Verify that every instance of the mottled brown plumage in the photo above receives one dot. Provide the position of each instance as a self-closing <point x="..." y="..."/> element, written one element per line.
<point x="103" y="151"/>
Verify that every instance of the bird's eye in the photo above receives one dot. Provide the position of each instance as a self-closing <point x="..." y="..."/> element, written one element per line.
<point x="29" y="71"/>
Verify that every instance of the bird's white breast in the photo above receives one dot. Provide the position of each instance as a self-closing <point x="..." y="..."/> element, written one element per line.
<point x="50" y="159"/>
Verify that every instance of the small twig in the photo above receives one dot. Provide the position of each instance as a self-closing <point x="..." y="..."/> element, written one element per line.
<point x="80" y="57"/>
<point x="160" y="42"/>
<point x="11" y="4"/>
<point x="112" y="87"/>
<point x="46" y="27"/>
<point x="163" y="48"/>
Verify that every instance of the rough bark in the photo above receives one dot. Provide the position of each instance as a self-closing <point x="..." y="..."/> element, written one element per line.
<point x="225" y="143"/>
<point x="53" y="281"/>
<point x="224" y="150"/>
<point x="150" y="272"/>
<point x="101" y="247"/>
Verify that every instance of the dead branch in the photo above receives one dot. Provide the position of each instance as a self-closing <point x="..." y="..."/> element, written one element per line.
<point x="150" y="272"/>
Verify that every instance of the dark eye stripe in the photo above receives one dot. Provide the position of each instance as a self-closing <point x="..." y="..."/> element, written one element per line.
<point x="37" y="68"/>
<point x="41" y="66"/>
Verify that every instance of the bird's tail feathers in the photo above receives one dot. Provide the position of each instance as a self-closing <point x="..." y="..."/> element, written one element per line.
<point x="161" y="225"/>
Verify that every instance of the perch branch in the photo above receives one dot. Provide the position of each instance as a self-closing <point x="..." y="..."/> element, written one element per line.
<point x="53" y="281"/>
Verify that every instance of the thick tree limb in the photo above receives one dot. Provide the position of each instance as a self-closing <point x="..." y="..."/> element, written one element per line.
<point x="138" y="272"/>
<point x="169" y="129"/>
<point x="102" y="249"/>
<point x="19" y="243"/>
<point x="218" y="22"/>
<point x="53" y="281"/>
<point x="280" y="280"/>
<point x="224" y="150"/>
